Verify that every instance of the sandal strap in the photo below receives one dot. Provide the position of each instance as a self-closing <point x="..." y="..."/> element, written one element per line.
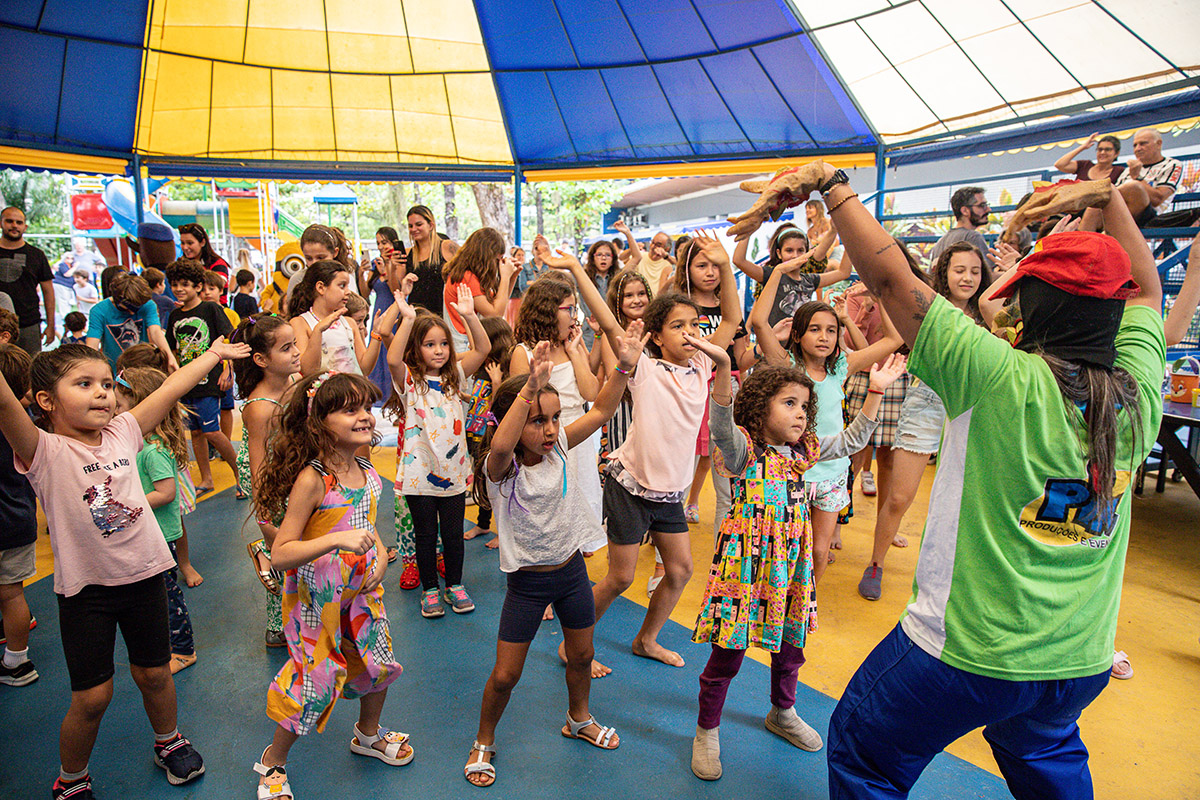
<point x="576" y="727"/>
<point x="476" y="767"/>
<point x="483" y="748"/>
<point x="605" y="736"/>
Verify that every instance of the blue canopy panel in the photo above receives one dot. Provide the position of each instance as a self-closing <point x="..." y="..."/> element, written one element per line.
<point x="603" y="81"/>
<point x="74" y="73"/>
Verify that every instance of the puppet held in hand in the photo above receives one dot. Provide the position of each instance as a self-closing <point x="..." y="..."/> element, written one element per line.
<point x="1064" y="197"/>
<point x="789" y="187"/>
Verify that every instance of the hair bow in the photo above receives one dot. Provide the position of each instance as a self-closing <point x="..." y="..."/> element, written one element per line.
<point x="316" y="384"/>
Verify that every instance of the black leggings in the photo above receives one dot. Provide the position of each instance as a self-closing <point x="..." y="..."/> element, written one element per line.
<point x="429" y="515"/>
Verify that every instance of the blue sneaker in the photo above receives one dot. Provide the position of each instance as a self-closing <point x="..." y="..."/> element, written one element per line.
<point x="460" y="602"/>
<point x="179" y="759"/>
<point x="431" y="606"/>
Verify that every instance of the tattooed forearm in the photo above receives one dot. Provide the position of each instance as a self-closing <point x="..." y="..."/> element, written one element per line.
<point x="885" y="248"/>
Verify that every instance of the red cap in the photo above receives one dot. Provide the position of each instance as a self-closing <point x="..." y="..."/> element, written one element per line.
<point x="1081" y="263"/>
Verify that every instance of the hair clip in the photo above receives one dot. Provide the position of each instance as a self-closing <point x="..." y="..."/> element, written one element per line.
<point x="316" y="384"/>
<point x="490" y="419"/>
<point x="121" y="380"/>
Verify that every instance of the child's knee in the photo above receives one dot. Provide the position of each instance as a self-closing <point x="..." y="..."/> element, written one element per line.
<point x="151" y="680"/>
<point x="620" y="579"/>
<point x="505" y="678"/>
<point x="580" y="657"/>
<point x="678" y="572"/>
<point x="91" y="703"/>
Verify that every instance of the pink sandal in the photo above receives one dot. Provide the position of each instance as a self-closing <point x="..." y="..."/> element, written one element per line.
<point x="1122" y="670"/>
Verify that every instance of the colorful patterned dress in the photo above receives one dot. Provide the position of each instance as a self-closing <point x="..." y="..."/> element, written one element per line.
<point x="760" y="585"/>
<point x="337" y="635"/>
<point x="274" y="601"/>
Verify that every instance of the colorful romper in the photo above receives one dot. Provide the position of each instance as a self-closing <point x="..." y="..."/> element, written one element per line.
<point x="274" y="601"/>
<point x="337" y="636"/>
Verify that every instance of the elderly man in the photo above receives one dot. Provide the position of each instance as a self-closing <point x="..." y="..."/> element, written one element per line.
<point x="1150" y="179"/>
<point x="657" y="263"/>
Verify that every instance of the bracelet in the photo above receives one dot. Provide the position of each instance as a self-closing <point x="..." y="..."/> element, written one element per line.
<point x="622" y="371"/>
<point x="874" y="391"/>
<point x="524" y="398"/>
<point x="839" y="203"/>
<point x="377" y="337"/>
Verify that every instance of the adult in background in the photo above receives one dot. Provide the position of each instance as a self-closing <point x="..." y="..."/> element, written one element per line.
<point x="382" y="276"/>
<point x="970" y="209"/>
<point x="63" y="278"/>
<point x="657" y="263"/>
<point x="601" y="264"/>
<point x="193" y="240"/>
<point x="429" y="253"/>
<point x="1107" y="150"/>
<point x="1018" y="583"/>
<point x="23" y="270"/>
<point x="1151" y="179"/>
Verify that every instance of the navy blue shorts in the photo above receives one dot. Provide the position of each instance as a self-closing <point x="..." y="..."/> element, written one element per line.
<point x="204" y="414"/>
<point x="227" y="400"/>
<point x="567" y="588"/>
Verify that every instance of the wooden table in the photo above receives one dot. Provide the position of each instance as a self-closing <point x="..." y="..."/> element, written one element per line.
<point x="1175" y="417"/>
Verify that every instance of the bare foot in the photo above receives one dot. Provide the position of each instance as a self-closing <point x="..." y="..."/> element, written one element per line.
<point x="836" y="544"/>
<point x="899" y="541"/>
<point x="191" y="578"/>
<point x="475" y="531"/>
<point x="657" y="652"/>
<point x="493" y="543"/>
<point x="479" y="778"/>
<point x="598" y="669"/>
<point x="830" y="558"/>
<point x="548" y="614"/>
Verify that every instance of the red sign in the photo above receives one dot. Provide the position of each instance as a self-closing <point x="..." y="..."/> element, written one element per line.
<point x="88" y="213"/>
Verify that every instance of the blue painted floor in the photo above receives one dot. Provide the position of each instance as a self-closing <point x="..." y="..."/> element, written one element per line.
<point x="446" y="661"/>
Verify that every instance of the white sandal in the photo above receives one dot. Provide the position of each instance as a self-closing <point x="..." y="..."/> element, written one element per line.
<point x="273" y="782"/>
<point x="481" y="767"/>
<point x="363" y="745"/>
<point x="602" y="739"/>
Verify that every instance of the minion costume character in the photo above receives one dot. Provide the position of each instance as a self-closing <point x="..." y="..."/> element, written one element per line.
<point x="288" y="261"/>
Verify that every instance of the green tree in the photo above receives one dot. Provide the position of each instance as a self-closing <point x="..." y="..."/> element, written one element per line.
<point x="43" y="198"/>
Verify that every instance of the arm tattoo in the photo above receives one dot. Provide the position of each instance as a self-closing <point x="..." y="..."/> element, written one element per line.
<point x="921" y="295"/>
<point x="885" y="248"/>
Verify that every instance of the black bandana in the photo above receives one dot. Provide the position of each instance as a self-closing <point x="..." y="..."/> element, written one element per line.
<point x="1068" y="326"/>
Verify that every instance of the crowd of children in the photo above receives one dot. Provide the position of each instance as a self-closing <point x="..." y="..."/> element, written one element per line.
<point x="566" y="443"/>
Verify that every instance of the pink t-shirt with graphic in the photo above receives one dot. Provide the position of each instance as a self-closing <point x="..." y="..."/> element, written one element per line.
<point x="668" y="405"/>
<point x="102" y="529"/>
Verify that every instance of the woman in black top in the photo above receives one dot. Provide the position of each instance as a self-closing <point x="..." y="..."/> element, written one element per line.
<point x="430" y="251"/>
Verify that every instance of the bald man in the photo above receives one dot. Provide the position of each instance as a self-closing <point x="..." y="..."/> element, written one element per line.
<point x="1150" y="178"/>
<point x="657" y="262"/>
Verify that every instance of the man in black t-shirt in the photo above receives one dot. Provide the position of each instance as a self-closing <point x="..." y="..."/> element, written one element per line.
<point x="23" y="269"/>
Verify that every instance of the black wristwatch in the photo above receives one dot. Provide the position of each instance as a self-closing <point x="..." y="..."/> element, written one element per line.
<point x="839" y="177"/>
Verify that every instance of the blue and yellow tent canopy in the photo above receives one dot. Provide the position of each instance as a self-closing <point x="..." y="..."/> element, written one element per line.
<point x="371" y="88"/>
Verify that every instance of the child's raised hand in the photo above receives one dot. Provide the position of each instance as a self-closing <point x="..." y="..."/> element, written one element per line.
<point x="630" y="344"/>
<point x="782" y="330"/>
<point x="884" y="376"/>
<point x="1004" y="255"/>
<point x="717" y="354"/>
<point x="465" y="304"/>
<point x="711" y="247"/>
<point x="226" y="351"/>
<point x="539" y="367"/>
<point x="792" y="266"/>
<point x="495" y="373"/>
<point x="324" y="322"/>
<point x="594" y="324"/>
<point x="356" y="540"/>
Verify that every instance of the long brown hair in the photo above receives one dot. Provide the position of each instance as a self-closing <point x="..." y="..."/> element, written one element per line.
<point x="682" y="280"/>
<point x="941" y="276"/>
<point x="302" y="435"/>
<point x="800" y="322"/>
<point x="616" y="293"/>
<point x="138" y="383"/>
<point x="258" y="331"/>
<point x="479" y="254"/>
<point x="503" y="398"/>
<point x="207" y="254"/>
<point x="590" y="266"/>
<point x="435" y="239"/>
<point x="537" y="320"/>
<point x="448" y="376"/>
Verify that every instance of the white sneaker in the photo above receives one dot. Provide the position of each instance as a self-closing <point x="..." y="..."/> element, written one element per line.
<point x="868" y="484"/>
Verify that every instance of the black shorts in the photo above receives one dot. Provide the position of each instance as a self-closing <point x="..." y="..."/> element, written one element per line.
<point x="567" y="588"/>
<point x="88" y="623"/>
<point x="628" y="517"/>
<point x="1144" y="218"/>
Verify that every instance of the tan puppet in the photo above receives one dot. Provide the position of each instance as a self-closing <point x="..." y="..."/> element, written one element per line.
<point x="789" y="187"/>
<point x="1064" y="197"/>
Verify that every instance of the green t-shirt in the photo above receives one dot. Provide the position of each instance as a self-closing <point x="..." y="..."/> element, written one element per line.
<point x="1015" y="578"/>
<point x="156" y="463"/>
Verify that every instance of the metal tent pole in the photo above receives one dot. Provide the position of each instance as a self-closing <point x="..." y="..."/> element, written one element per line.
<point x="139" y="191"/>
<point x="880" y="180"/>
<point x="517" y="180"/>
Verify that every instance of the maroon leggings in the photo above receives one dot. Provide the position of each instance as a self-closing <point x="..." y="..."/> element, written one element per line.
<point x="723" y="664"/>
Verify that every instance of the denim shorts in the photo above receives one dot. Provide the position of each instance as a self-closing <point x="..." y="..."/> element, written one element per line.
<point x="919" y="429"/>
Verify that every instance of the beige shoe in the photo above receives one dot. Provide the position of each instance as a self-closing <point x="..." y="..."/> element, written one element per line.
<point x="706" y="754"/>
<point x="787" y="723"/>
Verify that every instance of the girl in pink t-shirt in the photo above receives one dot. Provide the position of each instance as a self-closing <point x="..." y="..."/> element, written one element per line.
<point x="650" y="473"/>
<point x="109" y="552"/>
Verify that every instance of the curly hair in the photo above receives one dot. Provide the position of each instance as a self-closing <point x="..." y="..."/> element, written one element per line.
<point x="537" y="321"/>
<point x="590" y="264"/>
<point x="302" y="435"/>
<point x="182" y="270"/>
<point x="657" y="312"/>
<point x="941" y="276"/>
<point x="800" y="322"/>
<point x="138" y="383"/>
<point x="479" y="255"/>
<point x="448" y="376"/>
<point x="752" y="405"/>
<point x="258" y="331"/>
<point x="503" y="398"/>
<point x="306" y="292"/>
<point x="616" y="293"/>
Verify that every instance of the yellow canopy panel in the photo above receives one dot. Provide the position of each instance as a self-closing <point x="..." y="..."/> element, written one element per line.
<point x="368" y="81"/>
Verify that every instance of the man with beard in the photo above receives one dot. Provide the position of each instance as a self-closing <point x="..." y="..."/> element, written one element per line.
<point x="23" y="269"/>
<point x="970" y="210"/>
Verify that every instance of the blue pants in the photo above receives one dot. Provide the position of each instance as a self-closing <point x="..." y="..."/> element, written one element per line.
<point x="182" y="642"/>
<point x="903" y="707"/>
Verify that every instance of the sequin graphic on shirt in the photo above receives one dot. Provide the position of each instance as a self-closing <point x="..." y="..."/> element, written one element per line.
<point x="110" y="515"/>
